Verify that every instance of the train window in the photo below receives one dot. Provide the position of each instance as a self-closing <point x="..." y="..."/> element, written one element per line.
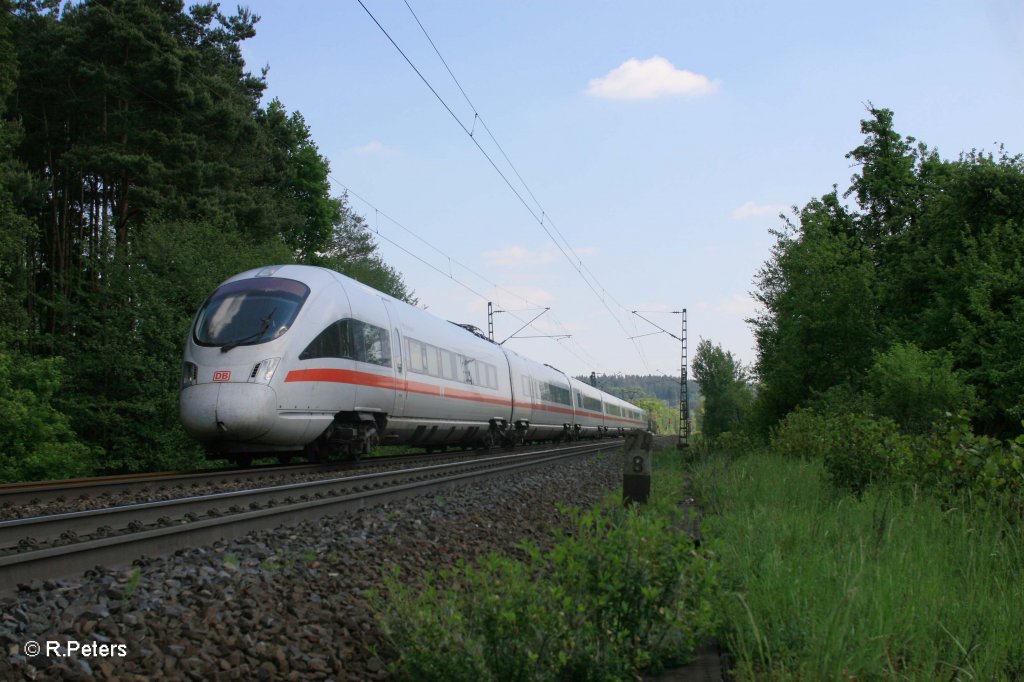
<point x="470" y="373"/>
<point x="448" y="370"/>
<point x="556" y="394"/>
<point x="416" y="363"/>
<point x="352" y="340"/>
<point x="372" y="344"/>
<point x="592" y="404"/>
<point x="433" y="367"/>
<point x="249" y="311"/>
<point x="333" y="342"/>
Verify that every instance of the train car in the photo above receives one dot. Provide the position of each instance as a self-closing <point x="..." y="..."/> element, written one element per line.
<point x="302" y="360"/>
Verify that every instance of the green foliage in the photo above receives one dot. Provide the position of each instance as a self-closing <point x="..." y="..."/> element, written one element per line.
<point x="915" y="388"/>
<point x="36" y="441"/>
<point x="126" y="199"/>
<point x="859" y="450"/>
<point x="815" y="586"/>
<point x="623" y="592"/>
<point x="803" y="434"/>
<point x="962" y="467"/>
<point x="865" y="450"/>
<point x="932" y="256"/>
<point x="724" y="389"/>
<point x="736" y="443"/>
<point x="664" y="417"/>
<point x="818" y="326"/>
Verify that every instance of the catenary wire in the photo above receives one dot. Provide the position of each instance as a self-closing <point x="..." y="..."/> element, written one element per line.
<point x="577" y="265"/>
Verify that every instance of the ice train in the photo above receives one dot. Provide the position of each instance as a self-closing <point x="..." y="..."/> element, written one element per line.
<point x="294" y="359"/>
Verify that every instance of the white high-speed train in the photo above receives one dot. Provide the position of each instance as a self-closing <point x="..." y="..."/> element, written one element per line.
<point x="294" y="359"/>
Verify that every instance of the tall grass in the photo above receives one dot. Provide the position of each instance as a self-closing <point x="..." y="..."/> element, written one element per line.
<point x="821" y="585"/>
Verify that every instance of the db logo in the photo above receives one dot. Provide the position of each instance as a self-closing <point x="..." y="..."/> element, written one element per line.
<point x="222" y="375"/>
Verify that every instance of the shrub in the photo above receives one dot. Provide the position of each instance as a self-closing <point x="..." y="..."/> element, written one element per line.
<point x="856" y="449"/>
<point x="803" y="434"/>
<point x="865" y="450"/>
<point x="915" y="387"/>
<point x="36" y="440"/>
<point x="736" y="443"/>
<point x="954" y="461"/>
<point x="625" y="591"/>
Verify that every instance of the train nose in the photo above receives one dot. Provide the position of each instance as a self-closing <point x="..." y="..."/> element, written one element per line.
<point x="227" y="411"/>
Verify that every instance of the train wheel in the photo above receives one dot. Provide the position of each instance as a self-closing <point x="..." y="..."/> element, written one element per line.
<point x="285" y="459"/>
<point x="243" y="461"/>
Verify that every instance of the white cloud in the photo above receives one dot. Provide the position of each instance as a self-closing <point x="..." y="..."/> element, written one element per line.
<point x="751" y="210"/>
<point x="515" y="256"/>
<point x="737" y="304"/>
<point x="375" y="148"/>
<point x="648" y="79"/>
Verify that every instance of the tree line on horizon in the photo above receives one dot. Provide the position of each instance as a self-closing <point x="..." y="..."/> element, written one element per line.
<point x="656" y="393"/>
<point x="139" y="167"/>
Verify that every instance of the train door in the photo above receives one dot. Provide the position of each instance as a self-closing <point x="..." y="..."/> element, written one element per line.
<point x="398" y="356"/>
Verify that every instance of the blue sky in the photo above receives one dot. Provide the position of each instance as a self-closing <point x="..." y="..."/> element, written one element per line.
<point x="659" y="141"/>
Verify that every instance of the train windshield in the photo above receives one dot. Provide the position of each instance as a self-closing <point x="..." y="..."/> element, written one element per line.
<point x="249" y="312"/>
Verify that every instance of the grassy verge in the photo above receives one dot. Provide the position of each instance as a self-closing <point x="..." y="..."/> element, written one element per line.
<point x="620" y="592"/>
<point x="816" y="584"/>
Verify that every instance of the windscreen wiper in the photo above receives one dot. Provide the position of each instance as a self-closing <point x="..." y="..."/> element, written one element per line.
<point x="264" y="326"/>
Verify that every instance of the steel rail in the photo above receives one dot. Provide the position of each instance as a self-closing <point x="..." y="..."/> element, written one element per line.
<point x="162" y="536"/>
<point x="77" y="488"/>
<point x="41" y="492"/>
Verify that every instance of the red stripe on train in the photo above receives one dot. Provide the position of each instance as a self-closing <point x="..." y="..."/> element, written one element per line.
<point x="348" y="376"/>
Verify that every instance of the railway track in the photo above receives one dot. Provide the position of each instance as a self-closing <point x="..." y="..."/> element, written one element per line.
<point x="98" y="487"/>
<point x="20" y="500"/>
<point x="61" y="545"/>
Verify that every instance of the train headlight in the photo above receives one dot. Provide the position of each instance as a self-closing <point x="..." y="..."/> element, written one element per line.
<point x="189" y="372"/>
<point x="264" y="370"/>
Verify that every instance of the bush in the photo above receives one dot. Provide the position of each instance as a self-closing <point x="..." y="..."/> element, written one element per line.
<point x="626" y="591"/>
<point x="953" y="461"/>
<point x="915" y="388"/>
<point x="36" y="440"/>
<point x="859" y="450"/>
<point x="736" y="443"/>
<point x="856" y="449"/>
<point x="865" y="450"/>
<point x="803" y="434"/>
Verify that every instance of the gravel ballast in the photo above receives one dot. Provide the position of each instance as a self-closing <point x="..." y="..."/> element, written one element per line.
<point x="283" y="604"/>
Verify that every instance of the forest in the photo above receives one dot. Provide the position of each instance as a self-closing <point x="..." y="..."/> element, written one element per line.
<point x="139" y="166"/>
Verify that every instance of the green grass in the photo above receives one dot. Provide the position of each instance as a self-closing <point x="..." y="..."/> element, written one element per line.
<point x="815" y="584"/>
